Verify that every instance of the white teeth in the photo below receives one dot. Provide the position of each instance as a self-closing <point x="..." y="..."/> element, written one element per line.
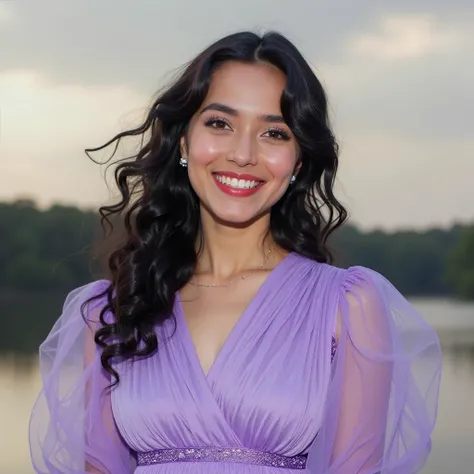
<point x="237" y="183"/>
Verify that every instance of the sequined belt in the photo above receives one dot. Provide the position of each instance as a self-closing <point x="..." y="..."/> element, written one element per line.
<point x="234" y="455"/>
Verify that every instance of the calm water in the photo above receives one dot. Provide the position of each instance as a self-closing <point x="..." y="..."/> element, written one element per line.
<point x="453" y="450"/>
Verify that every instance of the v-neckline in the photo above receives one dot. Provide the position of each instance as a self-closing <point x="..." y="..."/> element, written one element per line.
<point x="249" y="309"/>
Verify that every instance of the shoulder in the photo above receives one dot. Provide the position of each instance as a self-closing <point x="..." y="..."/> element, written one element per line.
<point x="350" y="288"/>
<point x="345" y="279"/>
<point x="335" y="279"/>
<point x="87" y="291"/>
<point x="356" y="279"/>
<point x="77" y="313"/>
<point x="359" y="293"/>
<point x="87" y="299"/>
<point x="368" y="304"/>
<point x="362" y="288"/>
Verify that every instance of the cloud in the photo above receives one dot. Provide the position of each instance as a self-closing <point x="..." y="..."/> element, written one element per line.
<point x="414" y="89"/>
<point x="385" y="180"/>
<point x="112" y="41"/>
<point x="409" y="37"/>
<point x="6" y="12"/>
<point x="46" y="127"/>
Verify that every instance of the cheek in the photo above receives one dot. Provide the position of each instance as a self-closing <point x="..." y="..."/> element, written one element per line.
<point x="204" y="148"/>
<point x="281" y="163"/>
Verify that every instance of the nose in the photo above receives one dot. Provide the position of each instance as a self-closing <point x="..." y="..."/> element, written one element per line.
<point x="244" y="150"/>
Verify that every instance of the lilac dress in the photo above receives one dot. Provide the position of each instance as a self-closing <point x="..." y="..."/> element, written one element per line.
<point x="274" y="402"/>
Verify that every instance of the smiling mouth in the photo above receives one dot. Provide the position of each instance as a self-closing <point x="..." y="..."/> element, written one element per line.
<point x="236" y="183"/>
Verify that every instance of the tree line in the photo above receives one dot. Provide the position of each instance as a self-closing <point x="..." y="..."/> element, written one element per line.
<point x="53" y="250"/>
<point x="46" y="253"/>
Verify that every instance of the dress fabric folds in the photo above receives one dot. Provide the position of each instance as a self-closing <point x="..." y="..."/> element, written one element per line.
<point x="273" y="387"/>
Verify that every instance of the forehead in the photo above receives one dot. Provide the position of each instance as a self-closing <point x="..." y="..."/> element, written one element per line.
<point x="243" y="86"/>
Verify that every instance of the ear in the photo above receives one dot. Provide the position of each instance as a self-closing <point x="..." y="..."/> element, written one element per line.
<point x="183" y="147"/>
<point x="298" y="165"/>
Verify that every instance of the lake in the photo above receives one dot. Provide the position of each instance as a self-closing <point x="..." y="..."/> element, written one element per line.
<point x="453" y="441"/>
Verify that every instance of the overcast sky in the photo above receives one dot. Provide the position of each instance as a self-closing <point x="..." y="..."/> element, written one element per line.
<point x="399" y="76"/>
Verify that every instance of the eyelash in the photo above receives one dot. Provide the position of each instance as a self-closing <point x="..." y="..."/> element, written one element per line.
<point x="283" y="134"/>
<point x="211" y="121"/>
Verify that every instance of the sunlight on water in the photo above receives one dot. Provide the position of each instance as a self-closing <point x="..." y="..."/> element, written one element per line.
<point x="19" y="383"/>
<point x="453" y="441"/>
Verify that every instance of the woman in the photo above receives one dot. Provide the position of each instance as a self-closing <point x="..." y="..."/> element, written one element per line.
<point x="224" y="341"/>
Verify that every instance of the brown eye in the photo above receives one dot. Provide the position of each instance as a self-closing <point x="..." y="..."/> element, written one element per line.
<point x="278" y="134"/>
<point x="216" y="123"/>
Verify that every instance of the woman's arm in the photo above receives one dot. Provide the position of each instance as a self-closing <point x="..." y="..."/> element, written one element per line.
<point x="92" y="469"/>
<point x="365" y="348"/>
<point x="382" y="399"/>
<point x="72" y="428"/>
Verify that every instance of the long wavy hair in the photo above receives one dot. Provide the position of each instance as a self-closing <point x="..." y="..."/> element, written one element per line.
<point x="160" y="212"/>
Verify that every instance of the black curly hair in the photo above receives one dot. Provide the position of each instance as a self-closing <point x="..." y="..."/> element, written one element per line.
<point x="160" y="212"/>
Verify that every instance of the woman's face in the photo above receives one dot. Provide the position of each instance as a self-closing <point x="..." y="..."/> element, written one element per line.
<point x="241" y="154"/>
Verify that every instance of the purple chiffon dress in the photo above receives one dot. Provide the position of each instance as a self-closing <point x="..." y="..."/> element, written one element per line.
<point x="279" y="399"/>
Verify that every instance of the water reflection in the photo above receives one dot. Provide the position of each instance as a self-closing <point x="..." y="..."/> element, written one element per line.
<point x="454" y="435"/>
<point x="453" y="438"/>
<point x="461" y="360"/>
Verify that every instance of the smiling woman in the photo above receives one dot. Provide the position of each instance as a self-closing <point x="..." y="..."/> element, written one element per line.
<point x="224" y="341"/>
<point x="240" y="128"/>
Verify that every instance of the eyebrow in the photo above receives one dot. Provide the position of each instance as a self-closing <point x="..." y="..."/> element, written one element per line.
<point x="270" y="118"/>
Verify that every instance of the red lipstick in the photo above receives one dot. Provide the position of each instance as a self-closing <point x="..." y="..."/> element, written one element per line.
<point x="237" y="192"/>
<point x="232" y="174"/>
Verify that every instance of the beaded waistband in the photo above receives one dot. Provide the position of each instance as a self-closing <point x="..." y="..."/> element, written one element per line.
<point x="211" y="454"/>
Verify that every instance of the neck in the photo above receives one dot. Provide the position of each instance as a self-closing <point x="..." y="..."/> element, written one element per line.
<point x="228" y="251"/>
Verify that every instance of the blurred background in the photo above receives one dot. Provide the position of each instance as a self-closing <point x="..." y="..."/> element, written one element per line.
<point x="399" y="76"/>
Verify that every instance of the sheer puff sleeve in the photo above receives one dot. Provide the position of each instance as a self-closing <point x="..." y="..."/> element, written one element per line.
<point x="72" y="429"/>
<point x="383" y="394"/>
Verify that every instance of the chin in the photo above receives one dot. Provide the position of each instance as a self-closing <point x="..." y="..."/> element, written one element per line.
<point x="235" y="219"/>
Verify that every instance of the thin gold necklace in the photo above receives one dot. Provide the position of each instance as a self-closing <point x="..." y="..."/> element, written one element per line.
<point x="191" y="282"/>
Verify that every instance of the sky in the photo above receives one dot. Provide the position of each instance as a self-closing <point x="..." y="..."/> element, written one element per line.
<point x="398" y="73"/>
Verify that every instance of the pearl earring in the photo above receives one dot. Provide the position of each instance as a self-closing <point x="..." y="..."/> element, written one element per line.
<point x="183" y="162"/>
<point x="293" y="179"/>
